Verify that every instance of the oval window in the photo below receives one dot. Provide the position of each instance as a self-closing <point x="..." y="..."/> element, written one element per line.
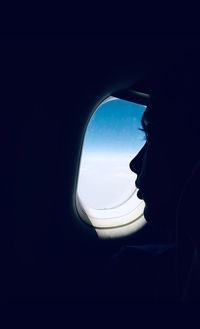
<point x="106" y="193"/>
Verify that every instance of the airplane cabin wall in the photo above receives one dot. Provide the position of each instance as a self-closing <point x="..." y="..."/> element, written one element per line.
<point x="47" y="96"/>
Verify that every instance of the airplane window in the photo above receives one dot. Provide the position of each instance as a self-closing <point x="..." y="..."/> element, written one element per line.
<point x="106" y="193"/>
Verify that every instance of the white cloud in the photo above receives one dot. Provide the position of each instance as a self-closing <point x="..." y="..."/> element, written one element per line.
<point x="103" y="183"/>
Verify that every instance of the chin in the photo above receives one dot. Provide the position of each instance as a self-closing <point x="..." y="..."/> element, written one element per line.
<point x="155" y="215"/>
<point x="160" y="218"/>
<point x="148" y="215"/>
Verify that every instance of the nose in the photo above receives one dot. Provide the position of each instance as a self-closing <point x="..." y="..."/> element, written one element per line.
<point x="136" y="164"/>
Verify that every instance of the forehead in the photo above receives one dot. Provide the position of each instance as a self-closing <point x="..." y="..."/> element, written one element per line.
<point x="165" y="123"/>
<point x="149" y="116"/>
<point x="165" y="114"/>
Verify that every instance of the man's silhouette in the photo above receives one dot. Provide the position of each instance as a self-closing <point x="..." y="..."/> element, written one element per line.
<point x="165" y="168"/>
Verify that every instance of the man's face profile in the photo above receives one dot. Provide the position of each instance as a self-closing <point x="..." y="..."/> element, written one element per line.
<point x="156" y="166"/>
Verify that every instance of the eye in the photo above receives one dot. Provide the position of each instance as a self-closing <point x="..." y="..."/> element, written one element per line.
<point x="149" y="133"/>
<point x="145" y="133"/>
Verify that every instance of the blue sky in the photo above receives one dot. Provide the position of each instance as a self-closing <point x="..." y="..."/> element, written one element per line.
<point x="113" y="128"/>
<point x="112" y="140"/>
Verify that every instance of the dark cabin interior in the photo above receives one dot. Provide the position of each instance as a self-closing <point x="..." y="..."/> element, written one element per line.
<point x="49" y="88"/>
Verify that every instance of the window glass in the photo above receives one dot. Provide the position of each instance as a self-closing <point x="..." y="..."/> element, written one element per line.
<point x="111" y="141"/>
